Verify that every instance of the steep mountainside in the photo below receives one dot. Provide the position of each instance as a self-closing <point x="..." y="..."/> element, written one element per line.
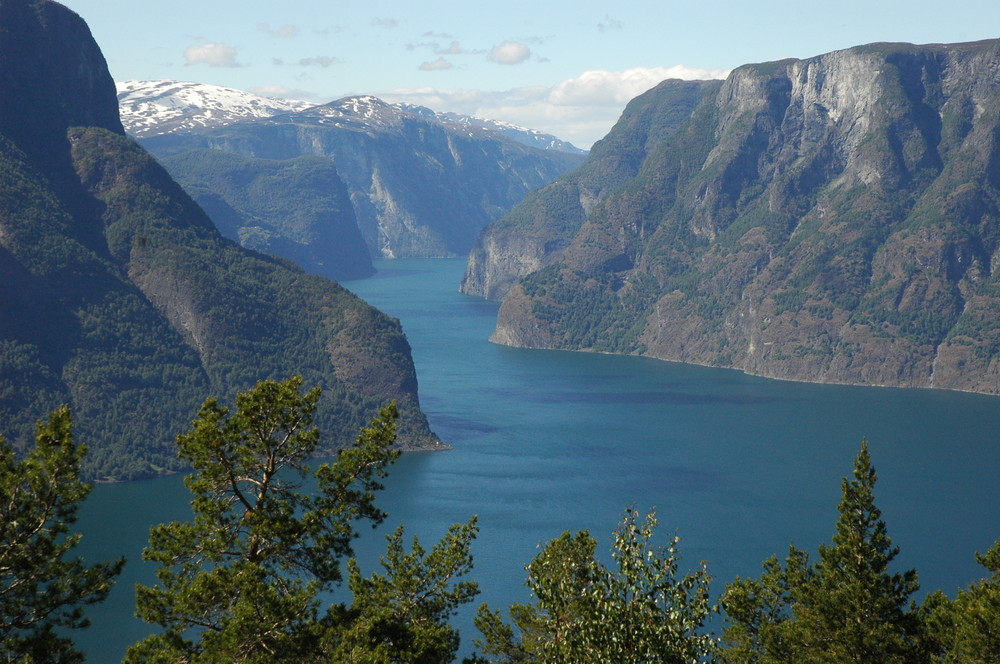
<point x="420" y="185"/>
<point x="535" y="233"/>
<point x="119" y="296"/>
<point x="295" y="208"/>
<point x="835" y="219"/>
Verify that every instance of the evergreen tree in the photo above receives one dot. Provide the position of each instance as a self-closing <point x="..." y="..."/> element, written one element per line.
<point x="42" y="590"/>
<point x="240" y="581"/>
<point x="846" y="607"/>
<point x="402" y="616"/>
<point x="642" y="610"/>
<point x="967" y="630"/>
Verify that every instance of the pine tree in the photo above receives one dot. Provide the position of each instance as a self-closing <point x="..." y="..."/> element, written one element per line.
<point x="856" y="610"/>
<point x="240" y="582"/>
<point x="967" y="629"/>
<point x="846" y="607"/>
<point x="42" y="590"/>
<point x="401" y="616"/>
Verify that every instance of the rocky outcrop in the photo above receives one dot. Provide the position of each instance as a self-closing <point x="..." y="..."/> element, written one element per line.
<point x="835" y="219"/>
<point x="535" y="233"/>
<point x="420" y="186"/>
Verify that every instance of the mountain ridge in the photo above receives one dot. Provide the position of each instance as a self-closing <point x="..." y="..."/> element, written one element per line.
<point x="833" y="219"/>
<point x="122" y="300"/>
<point x="420" y="186"/>
<point x="151" y="108"/>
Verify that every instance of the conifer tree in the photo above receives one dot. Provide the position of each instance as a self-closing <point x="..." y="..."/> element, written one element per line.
<point x="846" y="607"/>
<point x="42" y="589"/>
<point x="240" y="582"/>
<point x="967" y="629"/>
<point x="402" y="616"/>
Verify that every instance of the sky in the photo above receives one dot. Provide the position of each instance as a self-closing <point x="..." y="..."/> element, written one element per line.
<point x="565" y="68"/>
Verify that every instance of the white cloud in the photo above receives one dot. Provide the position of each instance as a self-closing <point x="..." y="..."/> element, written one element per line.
<point x="510" y="53"/>
<point x="318" y="61"/>
<point x="437" y="65"/>
<point x="580" y="110"/>
<point x="615" y="88"/>
<point x="214" y="54"/>
<point x="385" y="22"/>
<point x="609" y="24"/>
<point x="454" y="48"/>
<point x="281" y="92"/>
<point x="285" y="31"/>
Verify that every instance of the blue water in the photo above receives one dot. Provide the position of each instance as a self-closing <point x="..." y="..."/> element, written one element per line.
<point x="547" y="441"/>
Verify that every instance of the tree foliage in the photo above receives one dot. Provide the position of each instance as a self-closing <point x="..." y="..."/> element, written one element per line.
<point x="42" y="589"/>
<point x="240" y="582"/>
<point x="966" y="630"/>
<point x="640" y="610"/>
<point x="402" y="616"/>
<point x="845" y="607"/>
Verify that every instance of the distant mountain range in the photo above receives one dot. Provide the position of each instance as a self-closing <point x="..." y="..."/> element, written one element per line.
<point x="120" y="297"/>
<point x="835" y="219"/>
<point x="420" y="183"/>
<point x="150" y="108"/>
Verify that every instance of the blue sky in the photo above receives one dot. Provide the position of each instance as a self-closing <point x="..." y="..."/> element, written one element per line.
<point x="567" y="68"/>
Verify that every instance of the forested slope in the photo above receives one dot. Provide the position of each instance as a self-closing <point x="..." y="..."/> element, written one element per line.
<point x="121" y="299"/>
<point x="835" y="219"/>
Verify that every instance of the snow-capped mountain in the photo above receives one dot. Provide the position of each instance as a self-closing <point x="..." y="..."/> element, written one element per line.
<point x="151" y="108"/>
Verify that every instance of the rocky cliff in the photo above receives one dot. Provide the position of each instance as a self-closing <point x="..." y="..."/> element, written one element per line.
<point x="835" y="219"/>
<point x="535" y="233"/>
<point x="420" y="184"/>
<point x="121" y="298"/>
<point x="297" y="208"/>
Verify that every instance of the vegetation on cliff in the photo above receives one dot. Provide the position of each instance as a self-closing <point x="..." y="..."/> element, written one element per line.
<point x="298" y="208"/>
<point x="419" y="186"/>
<point x="122" y="300"/>
<point x="834" y="219"/>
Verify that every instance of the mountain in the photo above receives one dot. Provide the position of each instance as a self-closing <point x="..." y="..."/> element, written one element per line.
<point x="150" y="108"/>
<point x="121" y="299"/>
<point x="295" y="208"/>
<point x="421" y="183"/>
<point x="536" y="232"/>
<point x="835" y="219"/>
<point x="485" y="127"/>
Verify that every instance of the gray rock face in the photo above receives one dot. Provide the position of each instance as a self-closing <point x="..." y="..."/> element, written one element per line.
<point x="835" y="219"/>
<point x="535" y="233"/>
<point x="419" y="186"/>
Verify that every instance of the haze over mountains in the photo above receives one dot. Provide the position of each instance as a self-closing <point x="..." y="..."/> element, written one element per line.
<point x="421" y="183"/>
<point x="835" y="219"/>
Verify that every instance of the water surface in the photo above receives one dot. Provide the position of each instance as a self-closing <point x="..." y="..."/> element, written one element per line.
<point x="547" y="441"/>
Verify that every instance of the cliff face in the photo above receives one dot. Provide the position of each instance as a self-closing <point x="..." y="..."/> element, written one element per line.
<point x="535" y="233"/>
<point x="834" y="219"/>
<point x="419" y="187"/>
<point x="297" y="208"/>
<point x="120" y="297"/>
